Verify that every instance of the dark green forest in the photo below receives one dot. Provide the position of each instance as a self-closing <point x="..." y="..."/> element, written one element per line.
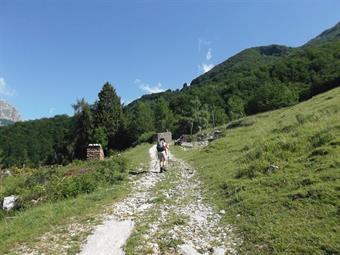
<point x="255" y="80"/>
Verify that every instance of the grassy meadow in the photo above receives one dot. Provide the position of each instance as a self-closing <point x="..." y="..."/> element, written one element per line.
<point x="277" y="176"/>
<point x="51" y="198"/>
<point x="138" y="158"/>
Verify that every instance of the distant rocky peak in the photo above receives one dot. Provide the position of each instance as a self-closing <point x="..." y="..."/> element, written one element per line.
<point x="8" y="112"/>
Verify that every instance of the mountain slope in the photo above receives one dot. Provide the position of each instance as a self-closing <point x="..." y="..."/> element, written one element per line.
<point x="253" y="81"/>
<point x="332" y="33"/>
<point x="277" y="176"/>
<point x="253" y="58"/>
<point x="252" y="67"/>
<point x="242" y="63"/>
<point x="36" y="142"/>
<point x="256" y="80"/>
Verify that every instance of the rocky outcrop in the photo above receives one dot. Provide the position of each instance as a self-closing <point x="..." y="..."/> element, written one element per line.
<point x="8" y="113"/>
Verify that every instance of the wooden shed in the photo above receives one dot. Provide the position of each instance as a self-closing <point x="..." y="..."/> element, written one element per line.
<point x="94" y="152"/>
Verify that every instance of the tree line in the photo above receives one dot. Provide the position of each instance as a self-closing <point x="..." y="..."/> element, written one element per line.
<point x="255" y="80"/>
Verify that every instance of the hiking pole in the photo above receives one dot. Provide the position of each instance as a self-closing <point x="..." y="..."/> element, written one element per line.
<point x="156" y="163"/>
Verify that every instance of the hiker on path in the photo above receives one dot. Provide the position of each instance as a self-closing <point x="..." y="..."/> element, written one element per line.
<point x="167" y="152"/>
<point x="162" y="152"/>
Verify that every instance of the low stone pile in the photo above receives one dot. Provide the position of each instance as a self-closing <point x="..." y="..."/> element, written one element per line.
<point x="216" y="134"/>
<point x="95" y="152"/>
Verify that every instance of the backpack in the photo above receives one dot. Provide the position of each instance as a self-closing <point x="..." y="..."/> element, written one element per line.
<point x="160" y="146"/>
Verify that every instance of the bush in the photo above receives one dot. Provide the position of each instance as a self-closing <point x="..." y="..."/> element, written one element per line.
<point x="241" y="123"/>
<point x="145" y="138"/>
<point x="13" y="185"/>
<point x="270" y="97"/>
<point x="246" y="173"/>
<point x="321" y="138"/>
<point x="254" y="169"/>
<point x="57" y="183"/>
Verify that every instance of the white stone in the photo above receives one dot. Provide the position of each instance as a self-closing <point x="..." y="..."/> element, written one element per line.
<point x="143" y="207"/>
<point x="186" y="249"/>
<point x="187" y="145"/>
<point x="109" y="238"/>
<point x="7" y="172"/>
<point x="219" y="251"/>
<point x="9" y="203"/>
<point x="222" y="212"/>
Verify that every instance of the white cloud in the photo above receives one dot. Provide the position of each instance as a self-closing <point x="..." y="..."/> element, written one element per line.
<point x="201" y="43"/>
<point x="151" y="89"/>
<point x="4" y="90"/>
<point x="148" y="88"/>
<point x="204" y="67"/>
<point x="209" y="54"/>
<point x="51" y="110"/>
<point x="126" y="102"/>
<point x="206" y="64"/>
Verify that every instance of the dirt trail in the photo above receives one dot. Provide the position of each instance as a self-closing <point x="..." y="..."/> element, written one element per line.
<point x="165" y="214"/>
<point x="111" y="235"/>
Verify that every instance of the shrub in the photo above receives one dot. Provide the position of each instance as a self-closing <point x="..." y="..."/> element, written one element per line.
<point x="248" y="172"/>
<point x="57" y="183"/>
<point x="304" y="118"/>
<point x="241" y="123"/>
<point x="288" y="145"/>
<point x="321" y="138"/>
<point x="145" y="138"/>
<point x="272" y="96"/>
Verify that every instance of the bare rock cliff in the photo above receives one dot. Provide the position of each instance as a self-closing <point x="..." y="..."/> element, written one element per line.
<point x="8" y="113"/>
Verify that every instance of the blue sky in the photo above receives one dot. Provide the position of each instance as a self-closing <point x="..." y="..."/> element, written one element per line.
<point x="55" y="51"/>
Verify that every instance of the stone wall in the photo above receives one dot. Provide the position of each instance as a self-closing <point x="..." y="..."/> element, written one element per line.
<point x="95" y="152"/>
<point x="166" y="135"/>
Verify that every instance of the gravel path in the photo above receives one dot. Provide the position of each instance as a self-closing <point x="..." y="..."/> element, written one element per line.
<point x="165" y="214"/>
<point x="109" y="237"/>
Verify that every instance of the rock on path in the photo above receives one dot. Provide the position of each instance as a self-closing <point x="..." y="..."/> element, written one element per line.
<point x="109" y="238"/>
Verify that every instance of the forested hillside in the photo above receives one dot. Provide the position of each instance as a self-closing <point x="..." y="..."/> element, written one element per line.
<point x="36" y="142"/>
<point x="255" y="80"/>
<point x="4" y="122"/>
<point x="61" y="139"/>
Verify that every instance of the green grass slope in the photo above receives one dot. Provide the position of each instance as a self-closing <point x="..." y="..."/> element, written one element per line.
<point x="51" y="197"/>
<point x="277" y="175"/>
